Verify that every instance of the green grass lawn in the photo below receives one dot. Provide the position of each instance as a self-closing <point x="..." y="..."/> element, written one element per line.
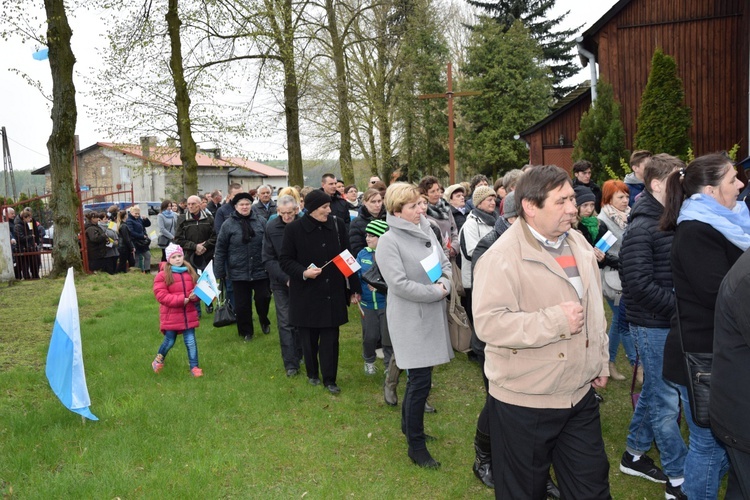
<point x="244" y="430"/>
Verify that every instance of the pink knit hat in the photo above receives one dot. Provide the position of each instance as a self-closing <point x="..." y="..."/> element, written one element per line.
<point x="172" y="248"/>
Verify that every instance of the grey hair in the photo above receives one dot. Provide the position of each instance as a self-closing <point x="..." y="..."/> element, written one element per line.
<point x="265" y="186"/>
<point x="287" y="200"/>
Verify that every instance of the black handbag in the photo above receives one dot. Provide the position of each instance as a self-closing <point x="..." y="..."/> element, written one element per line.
<point x="698" y="370"/>
<point x="373" y="278"/>
<point x="224" y="312"/>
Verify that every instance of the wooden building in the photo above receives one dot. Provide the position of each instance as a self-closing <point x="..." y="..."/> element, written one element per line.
<point x="710" y="41"/>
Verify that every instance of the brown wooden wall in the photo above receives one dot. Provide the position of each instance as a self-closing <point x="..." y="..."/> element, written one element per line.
<point x="709" y="41"/>
<point x="547" y="137"/>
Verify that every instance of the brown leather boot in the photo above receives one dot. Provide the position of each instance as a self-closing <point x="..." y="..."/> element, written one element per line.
<point x="391" y="383"/>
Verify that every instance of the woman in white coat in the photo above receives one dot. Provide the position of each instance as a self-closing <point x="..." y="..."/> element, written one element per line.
<point x="416" y="270"/>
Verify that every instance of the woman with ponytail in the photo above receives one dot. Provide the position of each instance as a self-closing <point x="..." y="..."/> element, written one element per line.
<point x="712" y="230"/>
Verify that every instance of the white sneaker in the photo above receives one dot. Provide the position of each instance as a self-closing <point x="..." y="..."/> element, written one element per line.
<point x="370" y="369"/>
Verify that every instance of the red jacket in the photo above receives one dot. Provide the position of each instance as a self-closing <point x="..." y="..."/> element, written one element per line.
<point x="174" y="314"/>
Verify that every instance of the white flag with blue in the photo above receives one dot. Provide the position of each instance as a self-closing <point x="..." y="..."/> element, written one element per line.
<point x="65" y="357"/>
<point x="431" y="265"/>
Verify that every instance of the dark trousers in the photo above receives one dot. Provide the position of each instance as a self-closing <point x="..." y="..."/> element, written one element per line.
<point x="125" y="259"/>
<point x="525" y="441"/>
<point x="321" y="343"/>
<point x="738" y="486"/>
<point x="243" y="296"/>
<point x="291" y="347"/>
<point x="418" y="383"/>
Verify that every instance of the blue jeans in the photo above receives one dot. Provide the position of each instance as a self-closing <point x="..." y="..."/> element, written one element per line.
<point x="655" y="416"/>
<point x="707" y="461"/>
<point x="189" y="337"/>
<point x="619" y="331"/>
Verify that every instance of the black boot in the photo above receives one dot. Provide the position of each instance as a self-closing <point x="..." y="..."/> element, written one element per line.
<point x="391" y="383"/>
<point x="483" y="460"/>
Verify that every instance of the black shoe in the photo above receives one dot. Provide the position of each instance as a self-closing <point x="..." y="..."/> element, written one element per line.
<point x="333" y="388"/>
<point x="644" y="467"/>
<point x="292" y="372"/>
<point x="553" y="492"/>
<point x="483" y="459"/>
<point x="674" y="492"/>
<point x="248" y="338"/>
<point x="209" y="309"/>
<point x="266" y="329"/>
<point x="423" y="459"/>
<point x="428" y="408"/>
<point x="314" y="381"/>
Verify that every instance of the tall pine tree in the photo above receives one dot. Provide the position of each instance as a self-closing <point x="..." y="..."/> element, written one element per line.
<point x="664" y="121"/>
<point x="557" y="46"/>
<point x="505" y="67"/>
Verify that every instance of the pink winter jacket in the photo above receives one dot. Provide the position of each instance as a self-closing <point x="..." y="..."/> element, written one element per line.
<point x="174" y="314"/>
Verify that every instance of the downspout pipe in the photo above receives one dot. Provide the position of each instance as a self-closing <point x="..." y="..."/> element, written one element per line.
<point x="592" y="65"/>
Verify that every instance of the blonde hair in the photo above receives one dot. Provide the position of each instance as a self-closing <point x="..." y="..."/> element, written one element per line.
<point x="399" y="194"/>
<point x="289" y="191"/>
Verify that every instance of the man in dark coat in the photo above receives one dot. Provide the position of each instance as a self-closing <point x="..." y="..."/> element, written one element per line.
<point x="582" y="177"/>
<point x="729" y="403"/>
<point x="265" y="206"/>
<point x="318" y="293"/>
<point x="339" y="206"/>
<point x="195" y="234"/>
<point x="291" y="347"/>
<point x="213" y="201"/>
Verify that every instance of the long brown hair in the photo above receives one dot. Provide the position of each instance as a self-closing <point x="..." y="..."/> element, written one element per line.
<point x="169" y="279"/>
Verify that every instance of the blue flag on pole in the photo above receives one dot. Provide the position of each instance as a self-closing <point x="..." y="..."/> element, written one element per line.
<point x="65" y="358"/>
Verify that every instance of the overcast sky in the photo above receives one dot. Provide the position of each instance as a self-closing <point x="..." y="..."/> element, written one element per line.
<point x="25" y="113"/>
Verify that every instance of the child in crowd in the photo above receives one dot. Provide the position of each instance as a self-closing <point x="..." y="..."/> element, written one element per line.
<point x="173" y="288"/>
<point x="374" y="325"/>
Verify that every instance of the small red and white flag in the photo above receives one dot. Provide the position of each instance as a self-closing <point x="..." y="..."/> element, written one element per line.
<point x="347" y="264"/>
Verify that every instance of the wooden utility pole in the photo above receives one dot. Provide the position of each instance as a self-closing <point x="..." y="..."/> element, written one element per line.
<point x="450" y="95"/>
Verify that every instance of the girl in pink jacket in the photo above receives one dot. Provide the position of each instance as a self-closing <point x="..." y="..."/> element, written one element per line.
<point x="173" y="288"/>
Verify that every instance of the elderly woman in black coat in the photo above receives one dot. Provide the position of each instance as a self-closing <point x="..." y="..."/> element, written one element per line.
<point x="318" y="293"/>
<point x="240" y="245"/>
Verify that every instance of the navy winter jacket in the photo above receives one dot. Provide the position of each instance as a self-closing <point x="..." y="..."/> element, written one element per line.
<point x="646" y="272"/>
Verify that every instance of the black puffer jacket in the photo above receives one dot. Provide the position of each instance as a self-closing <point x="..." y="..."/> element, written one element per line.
<point x="244" y="260"/>
<point x="357" y="228"/>
<point x="646" y="272"/>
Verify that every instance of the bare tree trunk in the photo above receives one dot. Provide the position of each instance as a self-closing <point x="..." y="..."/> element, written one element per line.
<point x="342" y="93"/>
<point x="64" y="201"/>
<point x="182" y="101"/>
<point x="285" y="42"/>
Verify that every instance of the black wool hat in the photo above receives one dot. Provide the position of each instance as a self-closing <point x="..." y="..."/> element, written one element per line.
<point x="583" y="195"/>
<point x="241" y="196"/>
<point x="316" y="199"/>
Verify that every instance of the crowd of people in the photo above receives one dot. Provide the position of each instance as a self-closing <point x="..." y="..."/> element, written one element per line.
<point x="535" y="256"/>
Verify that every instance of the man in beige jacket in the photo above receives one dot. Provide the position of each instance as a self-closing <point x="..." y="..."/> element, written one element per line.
<point x="539" y="309"/>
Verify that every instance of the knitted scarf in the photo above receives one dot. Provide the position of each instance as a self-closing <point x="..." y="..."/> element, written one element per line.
<point x="592" y="226"/>
<point x="618" y="216"/>
<point x="439" y="211"/>
<point x="733" y="224"/>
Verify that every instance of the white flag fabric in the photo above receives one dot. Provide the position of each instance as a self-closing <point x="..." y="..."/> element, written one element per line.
<point x="207" y="289"/>
<point x="65" y="357"/>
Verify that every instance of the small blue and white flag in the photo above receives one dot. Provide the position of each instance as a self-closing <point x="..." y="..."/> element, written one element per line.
<point x="431" y="265"/>
<point x="606" y="242"/>
<point x="206" y="288"/>
<point x="65" y="357"/>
